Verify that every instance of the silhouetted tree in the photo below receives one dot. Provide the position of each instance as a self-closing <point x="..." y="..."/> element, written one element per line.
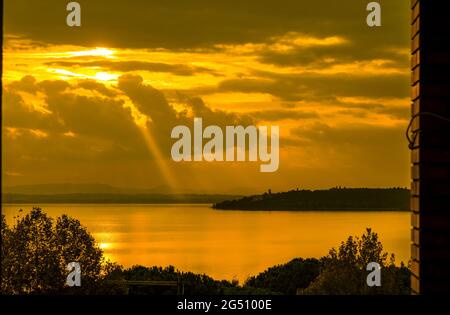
<point x="344" y="270"/>
<point x="4" y="230"/>
<point x="35" y="253"/>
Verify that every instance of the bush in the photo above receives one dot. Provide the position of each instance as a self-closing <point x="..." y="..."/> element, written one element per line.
<point x="287" y="278"/>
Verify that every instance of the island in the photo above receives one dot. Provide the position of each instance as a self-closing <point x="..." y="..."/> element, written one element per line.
<point x="337" y="198"/>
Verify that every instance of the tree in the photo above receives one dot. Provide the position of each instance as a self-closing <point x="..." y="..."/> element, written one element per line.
<point x="31" y="262"/>
<point x="36" y="251"/>
<point x="4" y="236"/>
<point x="74" y="243"/>
<point x="344" y="270"/>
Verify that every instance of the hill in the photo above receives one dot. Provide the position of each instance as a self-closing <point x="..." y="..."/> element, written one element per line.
<point x="108" y="198"/>
<point x="330" y="199"/>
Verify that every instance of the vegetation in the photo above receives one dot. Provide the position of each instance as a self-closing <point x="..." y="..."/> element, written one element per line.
<point x="36" y="250"/>
<point x="287" y="278"/>
<point x="343" y="271"/>
<point x="330" y="199"/>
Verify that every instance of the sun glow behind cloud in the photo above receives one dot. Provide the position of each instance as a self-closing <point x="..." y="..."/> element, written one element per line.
<point x="97" y="52"/>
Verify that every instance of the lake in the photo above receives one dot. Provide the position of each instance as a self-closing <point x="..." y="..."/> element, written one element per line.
<point x="224" y="244"/>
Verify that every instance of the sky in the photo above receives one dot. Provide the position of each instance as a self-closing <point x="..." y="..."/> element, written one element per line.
<point x="97" y="103"/>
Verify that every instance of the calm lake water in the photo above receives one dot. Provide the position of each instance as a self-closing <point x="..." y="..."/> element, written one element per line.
<point x="224" y="244"/>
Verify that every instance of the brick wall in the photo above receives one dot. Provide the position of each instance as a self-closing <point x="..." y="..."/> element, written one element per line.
<point x="430" y="154"/>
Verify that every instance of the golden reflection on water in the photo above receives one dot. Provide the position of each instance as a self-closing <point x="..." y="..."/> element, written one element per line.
<point x="224" y="244"/>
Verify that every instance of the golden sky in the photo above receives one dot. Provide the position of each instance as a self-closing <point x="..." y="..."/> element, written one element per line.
<point x="96" y="104"/>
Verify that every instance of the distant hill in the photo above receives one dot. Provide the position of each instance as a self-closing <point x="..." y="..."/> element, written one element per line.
<point x="98" y="188"/>
<point x="108" y="198"/>
<point x="330" y="199"/>
<point x="69" y="188"/>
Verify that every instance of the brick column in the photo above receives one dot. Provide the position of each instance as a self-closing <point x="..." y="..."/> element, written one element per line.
<point x="430" y="154"/>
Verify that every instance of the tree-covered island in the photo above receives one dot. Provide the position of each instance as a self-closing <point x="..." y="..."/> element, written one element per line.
<point x="381" y="199"/>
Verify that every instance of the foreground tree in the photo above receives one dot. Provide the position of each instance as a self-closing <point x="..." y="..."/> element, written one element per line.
<point x="4" y="230"/>
<point x="74" y="243"/>
<point x="36" y="251"/>
<point x="344" y="270"/>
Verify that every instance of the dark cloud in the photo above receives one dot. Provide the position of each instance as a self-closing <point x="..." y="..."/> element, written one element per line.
<point x="61" y="149"/>
<point x="202" y="23"/>
<point x="26" y="84"/>
<point x="287" y="90"/>
<point x="53" y="86"/>
<point x="97" y="127"/>
<point x="99" y="87"/>
<point x="94" y="116"/>
<point x="324" y="56"/>
<point x="148" y="100"/>
<point x="17" y="114"/>
<point x="127" y="66"/>
<point x="315" y="86"/>
<point x="91" y="126"/>
<point x="274" y="115"/>
<point x="218" y="117"/>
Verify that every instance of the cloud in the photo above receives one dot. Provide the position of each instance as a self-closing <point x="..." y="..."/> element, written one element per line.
<point x="17" y="114"/>
<point x="359" y="136"/>
<point x="127" y="66"/>
<point x="293" y="87"/>
<point x="26" y="84"/>
<point x="394" y="108"/>
<point x="275" y="115"/>
<point x="148" y="100"/>
<point x="201" y="23"/>
<point x="99" y="87"/>
<point x="96" y="127"/>
<point x="97" y="124"/>
<point x="279" y="88"/>
<point x="218" y="117"/>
